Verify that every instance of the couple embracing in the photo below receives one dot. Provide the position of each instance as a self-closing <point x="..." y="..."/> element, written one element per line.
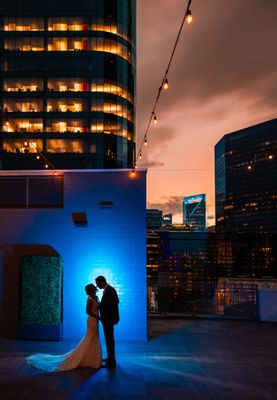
<point x="87" y="353"/>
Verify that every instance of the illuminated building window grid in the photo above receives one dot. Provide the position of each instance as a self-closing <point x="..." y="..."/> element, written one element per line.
<point x="73" y="105"/>
<point x="34" y="145"/>
<point x="117" y="128"/>
<point x="120" y="107"/>
<point x="69" y="44"/>
<point x="247" y="161"/>
<point x="113" y="114"/>
<point x="67" y="85"/>
<point x="64" y="24"/>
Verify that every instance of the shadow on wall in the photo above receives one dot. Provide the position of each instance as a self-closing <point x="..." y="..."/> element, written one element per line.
<point x="10" y="262"/>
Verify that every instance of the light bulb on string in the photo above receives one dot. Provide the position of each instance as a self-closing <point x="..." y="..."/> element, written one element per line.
<point x="249" y="167"/>
<point x="37" y="157"/>
<point x="25" y="143"/>
<point x="46" y="166"/>
<point x="270" y="157"/>
<point x="189" y="17"/>
<point x="136" y="165"/>
<point x="140" y="156"/>
<point x="166" y="84"/>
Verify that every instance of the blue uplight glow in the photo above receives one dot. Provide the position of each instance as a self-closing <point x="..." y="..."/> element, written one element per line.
<point x="112" y="243"/>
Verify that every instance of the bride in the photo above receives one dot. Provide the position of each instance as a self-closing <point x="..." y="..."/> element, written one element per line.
<point x="87" y="353"/>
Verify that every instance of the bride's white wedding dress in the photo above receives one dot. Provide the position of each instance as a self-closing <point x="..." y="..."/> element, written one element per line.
<point x="87" y="353"/>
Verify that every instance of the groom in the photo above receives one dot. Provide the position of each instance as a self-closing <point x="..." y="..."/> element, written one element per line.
<point x="109" y="317"/>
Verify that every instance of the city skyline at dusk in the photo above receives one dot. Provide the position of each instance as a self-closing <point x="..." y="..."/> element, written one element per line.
<point x="222" y="79"/>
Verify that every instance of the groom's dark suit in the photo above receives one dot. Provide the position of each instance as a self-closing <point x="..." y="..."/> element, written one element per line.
<point x="109" y="317"/>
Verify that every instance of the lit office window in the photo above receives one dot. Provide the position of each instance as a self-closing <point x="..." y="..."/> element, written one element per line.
<point x="110" y="127"/>
<point x="24" y="44"/>
<point x="110" y="87"/>
<point x="99" y="24"/>
<point x="66" y="105"/>
<point x="68" y="44"/>
<point x="22" y="84"/>
<point x="112" y="108"/>
<point x="111" y="46"/>
<point x="67" y="24"/>
<point x="21" y="105"/>
<point x="23" y="125"/>
<point x="23" y="24"/>
<point x="66" y="146"/>
<point x="66" y="126"/>
<point x="68" y="85"/>
<point x="22" y="145"/>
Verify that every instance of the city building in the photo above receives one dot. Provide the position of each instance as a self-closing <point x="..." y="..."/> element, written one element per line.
<point x="194" y="212"/>
<point x="154" y="219"/>
<point x="191" y="263"/>
<point x="167" y="219"/>
<point x="154" y="222"/>
<point x="245" y="179"/>
<point x="67" y="84"/>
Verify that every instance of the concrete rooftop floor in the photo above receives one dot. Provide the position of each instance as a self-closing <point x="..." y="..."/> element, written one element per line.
<point x="184" y="359"/>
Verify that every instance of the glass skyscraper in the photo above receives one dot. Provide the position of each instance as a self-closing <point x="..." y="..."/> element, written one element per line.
<point x="246" y="179"/>
<point x="194" y="212"/>
<point x="67" y="83"/>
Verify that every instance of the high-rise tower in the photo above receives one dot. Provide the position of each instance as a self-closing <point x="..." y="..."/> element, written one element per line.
<point x="245" y="179"/>
<point x="194" y="212"/>
<point x="67" y="83"/>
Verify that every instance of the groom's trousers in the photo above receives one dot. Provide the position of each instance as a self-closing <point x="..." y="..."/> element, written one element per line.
<point x="108" y="329"/>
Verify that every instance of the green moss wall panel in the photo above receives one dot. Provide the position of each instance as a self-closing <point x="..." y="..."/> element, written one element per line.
<point x="41" y="290"/>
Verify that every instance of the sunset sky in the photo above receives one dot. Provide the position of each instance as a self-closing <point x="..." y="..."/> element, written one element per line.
<point x="223" y="78"/>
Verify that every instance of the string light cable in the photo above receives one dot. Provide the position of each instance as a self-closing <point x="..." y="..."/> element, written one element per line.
<point x="164" y="85"/>
<point x="39" y="154"/>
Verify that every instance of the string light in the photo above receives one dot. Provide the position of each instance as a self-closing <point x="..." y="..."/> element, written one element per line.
<point x="249" y="167"/>
<point x="164" y="85"/>
<point x="270" y="157"/>
<point x="40" y="155"/>
<point x="189" y="17"/>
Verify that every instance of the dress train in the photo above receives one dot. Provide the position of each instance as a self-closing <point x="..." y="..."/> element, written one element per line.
<point x="87" y="353"/>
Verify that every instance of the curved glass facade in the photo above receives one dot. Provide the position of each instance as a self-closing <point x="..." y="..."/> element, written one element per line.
<point x="67" y="83"/>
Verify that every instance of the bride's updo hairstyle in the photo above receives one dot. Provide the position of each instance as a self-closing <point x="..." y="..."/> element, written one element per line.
<point x="89" y="289"/>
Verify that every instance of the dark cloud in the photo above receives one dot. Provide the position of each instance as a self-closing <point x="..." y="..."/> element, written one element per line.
<point x="172" y="204"/>
<point x="222" y="78"/>
<point x="158" y="137"/>
<point x="229" y="49"/>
